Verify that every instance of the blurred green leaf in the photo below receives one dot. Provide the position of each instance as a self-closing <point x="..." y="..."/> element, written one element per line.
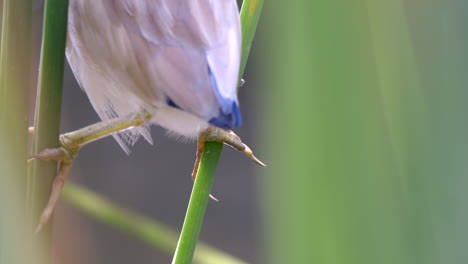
<point x="148" y="230"/>
<point x="365" y="131"/>
<point x="15" y="71"/>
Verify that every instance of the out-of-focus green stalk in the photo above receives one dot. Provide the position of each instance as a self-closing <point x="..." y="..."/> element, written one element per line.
<point x="48" y="107"/>
<point x="15" y="73"/>
<point x="365" y="108"/>
<point x="138" y="226"/>
<point x="15" y="60"/>
<point x="250" y="14"/>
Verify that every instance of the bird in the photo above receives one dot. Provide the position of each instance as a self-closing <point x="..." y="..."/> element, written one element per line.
<point x="173" y="63"/>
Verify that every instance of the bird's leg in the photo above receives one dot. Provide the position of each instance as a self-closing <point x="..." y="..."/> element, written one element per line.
<point x="70" y="144"/>
<point x="200" y="148"/>
<point x="226" y="137"/>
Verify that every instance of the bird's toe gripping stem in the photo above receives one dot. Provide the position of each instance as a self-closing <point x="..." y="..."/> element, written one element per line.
<point x="226" y="137"/>
<point x="70" y="144"/>
<point x="64" y="155"/>
<point x="223" y="136"/>
<point x="229" y="138"/>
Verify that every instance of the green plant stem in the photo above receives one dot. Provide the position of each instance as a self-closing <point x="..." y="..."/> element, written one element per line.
<point x="15" y="71"/>
<point x="149" y="231"/>
<point x="48" y="108"/>
<point x="250" y="14"/>
<point x="197" y="204"/>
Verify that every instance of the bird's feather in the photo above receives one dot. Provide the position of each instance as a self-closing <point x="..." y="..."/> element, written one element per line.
<point x="134" y="55"/>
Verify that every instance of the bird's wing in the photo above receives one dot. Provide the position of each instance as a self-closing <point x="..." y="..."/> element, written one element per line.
<point x="106" y="66"/>
<point x="197" y="42"/>
<point x="198" y="24"/>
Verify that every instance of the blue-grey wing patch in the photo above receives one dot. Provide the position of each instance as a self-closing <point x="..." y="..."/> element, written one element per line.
<point x="229" y="115"/>
<point x="223" y="63"/>
<point x="196" y="53"/>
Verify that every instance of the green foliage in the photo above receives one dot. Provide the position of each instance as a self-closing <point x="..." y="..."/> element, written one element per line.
<point x="365" y="132"/>
<point x="47" y="116"/>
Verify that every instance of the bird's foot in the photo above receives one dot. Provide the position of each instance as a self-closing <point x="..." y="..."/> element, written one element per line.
<point x="227" y="137"/>
<point x="65" y="155"/>
<point x="70" y="144"/>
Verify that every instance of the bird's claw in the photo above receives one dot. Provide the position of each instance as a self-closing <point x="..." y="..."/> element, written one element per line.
<point x="229" y="138"/>
<point x="213" y="198"/>
<point x="247" y="151"/>
<point x="57" y="154"/>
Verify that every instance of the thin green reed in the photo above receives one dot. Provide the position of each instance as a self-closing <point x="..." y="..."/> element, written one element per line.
<point x="15" y="71"/>
<point x="250" y="13"/>
<point x="47" y="114"/>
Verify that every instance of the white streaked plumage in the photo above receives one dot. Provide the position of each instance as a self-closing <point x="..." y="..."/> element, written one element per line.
<point x="131" y="56"/>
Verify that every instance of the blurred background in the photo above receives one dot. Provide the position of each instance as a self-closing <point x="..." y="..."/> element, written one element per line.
<point x="358" y="108"/>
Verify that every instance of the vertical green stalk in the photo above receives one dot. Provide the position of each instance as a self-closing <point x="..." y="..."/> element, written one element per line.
<point x="250" y="14"/>
<point x="15" y="59"/>
<point x="365" y="102"/>
<point x="47" y="115"/>
<point x="197" y="205"/>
